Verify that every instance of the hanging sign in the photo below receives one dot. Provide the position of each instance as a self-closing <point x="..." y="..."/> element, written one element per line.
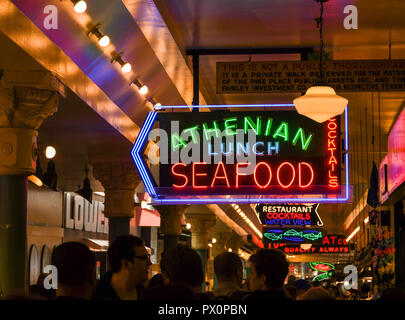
<point x="293" y="235"/>
<point x="298" y="76"/>
<point x="323" y="269"/>
<point x="235" y="156"/>
<point x="288" y="215"/>
<point x="329" y="244"/>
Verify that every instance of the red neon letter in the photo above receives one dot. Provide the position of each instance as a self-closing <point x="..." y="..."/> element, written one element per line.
<point x="238" y="174"/>
<point x="198" y="174"/>
<point x="180" y="175"/>
<point x="278" y="174"/>
<point x="221" y="164"/>
<point x="254" y="175"/>
<point x="300" y="175"/>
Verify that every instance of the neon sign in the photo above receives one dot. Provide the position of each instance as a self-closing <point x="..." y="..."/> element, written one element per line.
<point x="321" y="266"/>
<point x="330" y="244"/>
<point x="288" y="214"/>
<point x="304" y="235"/>
<point x="289" y="153"/>
<point x="324" y="268"/>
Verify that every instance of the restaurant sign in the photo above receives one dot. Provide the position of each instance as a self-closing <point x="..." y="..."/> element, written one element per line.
<point x="288" y="215"/>
<point x="298" y="76"/>
<point x="242" y="156"/>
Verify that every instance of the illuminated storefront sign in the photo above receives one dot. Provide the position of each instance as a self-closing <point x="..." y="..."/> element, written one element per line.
<point x="288" y="214"/>
<point x="325" y="269"/>
<point x="80" y="214"/>
<point x="293" y="235"/>
<point x="329" y="244"/>
<point x="244" y="157"/>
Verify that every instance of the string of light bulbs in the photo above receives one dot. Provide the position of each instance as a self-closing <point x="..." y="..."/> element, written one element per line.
<point x="80" y="6"/>
<point x="247" y="220"/>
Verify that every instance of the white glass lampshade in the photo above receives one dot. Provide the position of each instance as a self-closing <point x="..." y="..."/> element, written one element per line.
<point x="320" y="103"/>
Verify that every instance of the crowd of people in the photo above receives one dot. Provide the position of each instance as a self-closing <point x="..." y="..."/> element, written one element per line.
<point x="181" y="277"/>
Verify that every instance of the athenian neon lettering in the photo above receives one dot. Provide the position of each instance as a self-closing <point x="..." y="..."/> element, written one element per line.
<point x="282" y="131"/>
<point x="304" y="144"/>
<point x="177" y="142"/>
<point x="208" y="131"/>
<point x="229" y="127"/>
<point x="249" y="123"/>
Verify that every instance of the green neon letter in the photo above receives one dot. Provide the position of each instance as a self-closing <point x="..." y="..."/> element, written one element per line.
<point x="193" y="131"/>
<point x="268" y="126"/>
<point x="282" y="131"/>
<point x="207" y="130"/>
<point x="229" y="127"/>
<point x="177" y="142"/>
<point x="249" y="123"/>
<point x="300" y="134"/>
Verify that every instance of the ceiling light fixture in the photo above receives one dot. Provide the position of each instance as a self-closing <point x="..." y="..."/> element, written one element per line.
<point x="80" y="6"/>
<point x="103" y="40"/>
<point x="142" y="89"/>
<point x="125" y="66"/>
<point x="320" y="102"/>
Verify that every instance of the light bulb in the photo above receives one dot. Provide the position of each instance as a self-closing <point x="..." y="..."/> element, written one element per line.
<point x="80" y="6"/>
<point x="143" y="90"/>
<point x="104" y="41"/>
<point x="188" y="226"/>
<point x="229" y="250"/>
<point x="126" y="67"/>
<point x="214" y="240"/>
<point x="50" y="152"/>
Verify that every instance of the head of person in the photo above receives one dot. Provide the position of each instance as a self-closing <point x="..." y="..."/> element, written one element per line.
<point x="302" y="286"/>
<point x="76" y="267"/>
<point x="316" y="293"/>
<point x="128" y="258"/>
<point x="228" y="268"/>
<point x="182" y="264"/>
<point x="268" y="269"/>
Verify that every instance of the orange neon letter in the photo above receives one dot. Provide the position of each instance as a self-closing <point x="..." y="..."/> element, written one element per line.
<point x="194" y="174"/>
<point x="293" y="174"/>
<point x="300" y="175"/>
<point x="254" y="175"/>
<point x="179" y="175"/>
<point x="221" y="164"/>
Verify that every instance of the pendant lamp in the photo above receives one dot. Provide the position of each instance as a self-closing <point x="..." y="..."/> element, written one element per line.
<point x="320" y="102"/>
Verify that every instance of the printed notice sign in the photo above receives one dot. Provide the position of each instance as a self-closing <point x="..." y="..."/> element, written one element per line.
<point x="298" y="76"/>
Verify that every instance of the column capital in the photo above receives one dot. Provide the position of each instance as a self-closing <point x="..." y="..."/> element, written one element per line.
<point x="27" y="98"/>
<point x="119" y="179"/>
<point x="170" y="218"/>
<point x="115" y="174"/>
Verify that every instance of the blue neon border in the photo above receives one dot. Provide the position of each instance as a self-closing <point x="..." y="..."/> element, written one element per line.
<point x="150" y="184"/>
